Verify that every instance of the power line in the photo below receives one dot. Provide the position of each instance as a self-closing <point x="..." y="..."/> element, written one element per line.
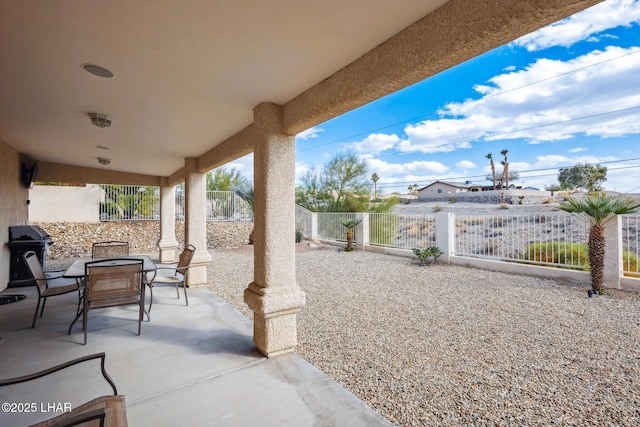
<point x="434" y="113"/>
<point x="515" y="131"/>
<point x="389" y="184"/>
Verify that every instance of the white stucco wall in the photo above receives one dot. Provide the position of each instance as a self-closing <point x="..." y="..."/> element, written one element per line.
<point x="70" y="204"/>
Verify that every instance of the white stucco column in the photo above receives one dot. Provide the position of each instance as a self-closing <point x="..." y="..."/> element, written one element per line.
<point x="274" y="295"/>
<point x="613" y="265"/>
<point x="446" y="235"/>
<point x="362" y="231"/>
<point x="167" y="244"/>
<point x="195" y="221"/>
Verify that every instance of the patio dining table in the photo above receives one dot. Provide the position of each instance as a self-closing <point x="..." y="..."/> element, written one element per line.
<point x="77" y="269"/>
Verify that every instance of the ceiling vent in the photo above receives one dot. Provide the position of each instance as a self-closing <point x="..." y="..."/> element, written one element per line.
<point x="100" y="120"/>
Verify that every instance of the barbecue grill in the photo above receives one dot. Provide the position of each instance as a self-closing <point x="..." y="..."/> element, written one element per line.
<point x="23" y="238"/>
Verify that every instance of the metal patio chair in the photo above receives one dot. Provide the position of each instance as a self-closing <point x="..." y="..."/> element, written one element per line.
<point x="109" y="283"/>
<point x="173" y="274"/>
<point x="108" y="410"/>
<point x="111" y="248"/>
<point x="48" y="287"/>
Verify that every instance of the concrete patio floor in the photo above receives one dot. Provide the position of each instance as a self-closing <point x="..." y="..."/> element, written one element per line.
<point x="194" y="365"/>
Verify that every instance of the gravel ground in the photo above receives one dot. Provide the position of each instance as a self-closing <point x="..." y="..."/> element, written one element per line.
<point x="452" y="346"/>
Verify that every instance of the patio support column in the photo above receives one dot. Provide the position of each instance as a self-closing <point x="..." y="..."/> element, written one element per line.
<point x="167" y="244"/>
<point x="195" y="222"/>
<point x="613" y="265"/>
<point x="274" y="295"/>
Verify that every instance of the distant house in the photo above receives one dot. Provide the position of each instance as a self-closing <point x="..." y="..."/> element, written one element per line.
<point x="442" y="188"/>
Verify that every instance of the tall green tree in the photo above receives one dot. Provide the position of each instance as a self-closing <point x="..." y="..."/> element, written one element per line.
<point x="587" y="177"/>
<point x="221" y="179"/>
<point x="598" y="209"/>
<point x="341" y="186"/>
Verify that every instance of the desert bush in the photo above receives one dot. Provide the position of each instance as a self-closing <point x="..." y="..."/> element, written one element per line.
<point x="555" y="252"/>
<point x="427" y="255"/>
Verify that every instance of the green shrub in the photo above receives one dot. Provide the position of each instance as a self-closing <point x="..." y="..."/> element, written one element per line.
<point x="298" y="236"/>
<point x="555" y="252"/>
<point x="575" y="254"/>
<point x="630" y="263"/>
<point x="437" y="208"/>
<point x="428" y="255"/>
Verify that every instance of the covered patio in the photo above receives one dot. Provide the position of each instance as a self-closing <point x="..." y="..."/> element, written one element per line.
<point x="194" y="363"/>
<point x="176" y="89"/>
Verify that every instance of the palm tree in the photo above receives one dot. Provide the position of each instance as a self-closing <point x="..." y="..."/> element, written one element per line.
<point x="505" y="171"/>
<point x="350" y="224"/>
<point x="493" y="169"/>
<point x="599" y="209"/>
<point x="245" y="192"/>
<point x="375" y="178"/>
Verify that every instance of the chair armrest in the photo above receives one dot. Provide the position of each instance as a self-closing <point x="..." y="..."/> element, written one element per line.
<point x="40" y="374"/>
<point x="53" y="274"/>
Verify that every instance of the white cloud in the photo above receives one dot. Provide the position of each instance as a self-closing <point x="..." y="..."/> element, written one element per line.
<point x="301" y="169"/>
<point x="465" y="164"/>
<point x="309" y="133"/>
<point x="577" y="150"/>
<point x="244" y="165"/>
<point x="551" y="160"/>
<point x="383" y="168"/>
<point x="582" y="25"/>
<point x="537" y="105"/>
<point x="375" y="143"/>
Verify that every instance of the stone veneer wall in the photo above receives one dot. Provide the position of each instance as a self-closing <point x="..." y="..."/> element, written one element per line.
<point x="511" y="197"/>
<point x="74" y="239"/>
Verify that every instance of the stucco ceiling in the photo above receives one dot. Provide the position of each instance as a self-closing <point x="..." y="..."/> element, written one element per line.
<point x="187" y="73"/>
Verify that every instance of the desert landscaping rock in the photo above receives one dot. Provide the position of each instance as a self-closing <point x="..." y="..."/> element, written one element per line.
<point x="452" y="346"/>
<point x="74" y="239"/>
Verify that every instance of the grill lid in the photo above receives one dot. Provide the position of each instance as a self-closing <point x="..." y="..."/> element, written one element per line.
<point x="27" y="232"/>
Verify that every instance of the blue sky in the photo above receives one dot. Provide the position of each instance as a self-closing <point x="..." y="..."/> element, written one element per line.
<point x="566" y="94"/>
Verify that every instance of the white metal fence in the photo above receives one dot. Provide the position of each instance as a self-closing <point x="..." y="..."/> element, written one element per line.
<point x="330" y="227"/>
<point x="546" y="239"/>
<point x="221" y="206"/>
<point x="131" y="202"/>
<point x="304" y="221"/>
<point x="631" y="245"/>
<point x="402" y="231"/>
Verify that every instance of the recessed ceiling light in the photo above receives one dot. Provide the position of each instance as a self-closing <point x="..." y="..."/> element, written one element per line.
<point x="102" y="147"/>
<point x="97" y="70"/>
<point x="101" y="120"/>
